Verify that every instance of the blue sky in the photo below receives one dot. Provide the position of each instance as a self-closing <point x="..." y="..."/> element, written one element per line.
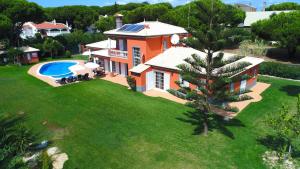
<point x="51" y="3"/>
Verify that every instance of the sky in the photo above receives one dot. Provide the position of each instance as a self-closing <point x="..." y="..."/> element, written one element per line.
<point x="54" y="3"/>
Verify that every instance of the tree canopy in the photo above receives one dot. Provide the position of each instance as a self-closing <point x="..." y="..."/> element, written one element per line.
<point x="5" y="26"/>
<point x="188" y="15"/>
<point x="284" y="6"/>
<point x="150" y="12"/>
<point x="79" y="17"/>
<point x="105" y="23"/>
<point x="19" y="12"/>
<point x="283" y="28"/>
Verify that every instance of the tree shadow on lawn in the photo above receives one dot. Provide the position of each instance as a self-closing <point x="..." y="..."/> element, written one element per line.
<point x="218" y="123"/>
<point x="275" y="143"/>
<point x="291" y="90"/>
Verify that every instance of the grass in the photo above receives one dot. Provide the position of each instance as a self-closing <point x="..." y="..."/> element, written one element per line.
<point x="104" y="125"/>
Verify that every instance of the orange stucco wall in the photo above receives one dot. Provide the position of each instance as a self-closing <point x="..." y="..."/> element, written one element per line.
<point x="140" y="43"/>
<point x="155" y="46"/>
<point x="174" y="76"/>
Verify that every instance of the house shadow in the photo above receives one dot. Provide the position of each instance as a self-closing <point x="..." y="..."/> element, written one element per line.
<point x="275" y="143"/>
<point x="217" y="123"/>
<point x="291" y="90"/>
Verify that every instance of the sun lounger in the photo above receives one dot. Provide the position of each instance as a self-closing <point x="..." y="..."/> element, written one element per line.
<point x="86" y="76"/>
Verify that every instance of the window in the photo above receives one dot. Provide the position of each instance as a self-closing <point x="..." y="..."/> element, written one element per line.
<point x="122" y="44"/>
<point x="183" y="83"/>
<point x="159" y="80"/>
<point x="136" y="56"/>
<point x="113" y="66"/>
<point x="165" y="45"/>
<point x="28" y="56"/>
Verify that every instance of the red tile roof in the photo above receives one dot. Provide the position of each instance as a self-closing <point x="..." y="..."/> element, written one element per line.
<point x="49" y="25"/>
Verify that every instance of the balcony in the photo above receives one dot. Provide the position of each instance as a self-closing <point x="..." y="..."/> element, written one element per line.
<point x="118" y="53"/>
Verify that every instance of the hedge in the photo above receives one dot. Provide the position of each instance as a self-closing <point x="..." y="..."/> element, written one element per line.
<point x="280" y="70"/>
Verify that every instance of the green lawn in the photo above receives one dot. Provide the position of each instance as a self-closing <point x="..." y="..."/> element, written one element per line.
<point x="104" y="125"/>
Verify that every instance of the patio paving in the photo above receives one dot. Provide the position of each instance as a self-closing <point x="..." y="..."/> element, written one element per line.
<point x="255" y="94"/>
<point x="119" y="79"/>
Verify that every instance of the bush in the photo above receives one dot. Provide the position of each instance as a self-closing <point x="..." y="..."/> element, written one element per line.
<point x="177" y="93"/>
<point x="257" y="48"/>
<point x="131" y="82"/>
<point x="68" y="54"/>
<point x="280" y="70"/>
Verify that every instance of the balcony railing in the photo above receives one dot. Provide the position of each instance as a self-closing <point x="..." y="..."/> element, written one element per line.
<point x="118" y="53"/>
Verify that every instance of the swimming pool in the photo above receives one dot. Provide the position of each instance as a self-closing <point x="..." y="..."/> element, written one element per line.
<point x="57" y="69"/>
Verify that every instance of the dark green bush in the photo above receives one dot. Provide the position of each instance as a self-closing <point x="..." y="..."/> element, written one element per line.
<point x="177" y="93"/>
<point x="68" y="54"/>
<point x="131" y="82"/>
<point x="280" y="70"/>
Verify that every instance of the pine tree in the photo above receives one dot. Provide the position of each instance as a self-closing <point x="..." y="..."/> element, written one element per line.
<point x="210" y="75"/>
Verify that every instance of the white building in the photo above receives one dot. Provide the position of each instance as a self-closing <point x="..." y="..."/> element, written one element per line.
<point x="45" y="29"/>
<point x="252" y="17"/>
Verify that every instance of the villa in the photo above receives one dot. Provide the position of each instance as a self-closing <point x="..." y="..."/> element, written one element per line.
<point x="145" y="52"/>
<point x="45" y="29"/>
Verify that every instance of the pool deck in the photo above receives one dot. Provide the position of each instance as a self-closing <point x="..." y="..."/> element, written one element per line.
<point x="51" y="81"/>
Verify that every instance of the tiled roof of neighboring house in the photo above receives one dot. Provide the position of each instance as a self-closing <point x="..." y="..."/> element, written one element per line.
<point x="151" y="28"/>
<point x="27" y="49"/>
<point x="252" y="17"/>
<point x="175" y="56"/>
<point x="50" y="25"/>
<point x="106" y="44"/>
<point x="139" y="68"/>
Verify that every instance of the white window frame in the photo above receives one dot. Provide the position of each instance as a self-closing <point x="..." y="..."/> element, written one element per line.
<point x="161" y="80"/>
<point x="165" y="45"/>
<point x="136" y="60"/>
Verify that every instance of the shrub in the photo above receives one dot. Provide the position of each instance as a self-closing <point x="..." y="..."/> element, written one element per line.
<point x="280" y="70"/>
<point x="257" y="48"/>
<point x="177" y="93"/>
<point x="131" y="82"/>
<point x="68" y="54"/>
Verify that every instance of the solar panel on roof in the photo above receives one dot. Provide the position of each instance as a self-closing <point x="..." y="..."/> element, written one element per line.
<point x="138" y="28"/>
<point x="124" y="27"/>
<point x="131" y="28"/>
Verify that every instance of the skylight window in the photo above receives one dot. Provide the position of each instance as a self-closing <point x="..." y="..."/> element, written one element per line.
<point x="131" y="28"/>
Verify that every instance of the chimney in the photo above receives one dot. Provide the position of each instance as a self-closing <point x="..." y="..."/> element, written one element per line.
<point x="54" y="22"/>
<point x="119" y="20"/>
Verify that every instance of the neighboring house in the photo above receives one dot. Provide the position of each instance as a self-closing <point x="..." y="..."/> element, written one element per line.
<point x="245" y="7"/>
<point x="30" y="55"/>
<point x="45" y="29"/>
<point x="252" y="17"/>
<point x="145" y="52"/>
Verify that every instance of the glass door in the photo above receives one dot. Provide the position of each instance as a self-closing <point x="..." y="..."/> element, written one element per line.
<point x="159" y="80"/>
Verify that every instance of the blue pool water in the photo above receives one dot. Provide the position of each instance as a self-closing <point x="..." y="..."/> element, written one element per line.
<point x="57" y="69"/>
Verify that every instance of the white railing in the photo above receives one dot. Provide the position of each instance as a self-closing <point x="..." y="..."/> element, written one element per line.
<point x="118" y="53"/>
<point x="56" y="33"/>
